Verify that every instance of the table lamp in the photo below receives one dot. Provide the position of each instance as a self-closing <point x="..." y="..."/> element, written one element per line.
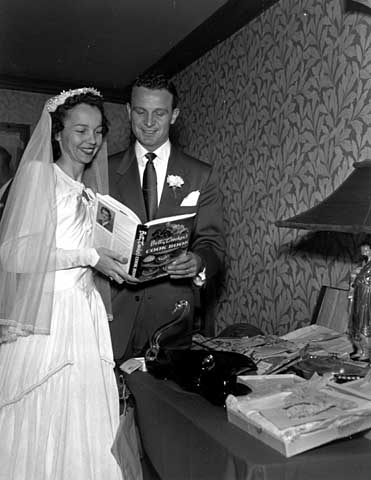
<point x="347" y="209"/>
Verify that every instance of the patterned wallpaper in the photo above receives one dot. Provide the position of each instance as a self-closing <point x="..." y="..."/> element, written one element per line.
<point x="283" y="109"/>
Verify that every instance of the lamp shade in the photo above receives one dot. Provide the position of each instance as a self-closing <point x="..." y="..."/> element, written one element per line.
<point x="347" y="209"/>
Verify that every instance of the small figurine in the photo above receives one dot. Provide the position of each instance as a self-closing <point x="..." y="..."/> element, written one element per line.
<point x="366" y="253"/>
<point x="366" y="257"/>
<point x="359" y="306"/>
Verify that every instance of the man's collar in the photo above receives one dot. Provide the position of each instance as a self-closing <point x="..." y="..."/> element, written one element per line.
<point x="162" y="152"/>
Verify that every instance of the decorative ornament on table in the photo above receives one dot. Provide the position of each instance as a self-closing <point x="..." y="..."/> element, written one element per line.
<point x="174" y="182"/>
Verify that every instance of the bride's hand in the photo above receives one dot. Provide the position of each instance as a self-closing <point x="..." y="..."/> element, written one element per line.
<point x="111" y="264"/>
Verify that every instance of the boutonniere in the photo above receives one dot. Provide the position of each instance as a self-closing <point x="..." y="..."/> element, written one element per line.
<point x="174" y="182"/>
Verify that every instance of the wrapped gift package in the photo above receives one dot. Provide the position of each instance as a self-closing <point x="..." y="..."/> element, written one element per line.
<point x="293" y="415"/>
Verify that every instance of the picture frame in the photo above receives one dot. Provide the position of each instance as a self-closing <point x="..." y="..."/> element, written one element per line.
<point x="14" y="138"/>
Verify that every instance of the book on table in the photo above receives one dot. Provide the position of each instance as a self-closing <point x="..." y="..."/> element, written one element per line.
<point x="149" y="247"/>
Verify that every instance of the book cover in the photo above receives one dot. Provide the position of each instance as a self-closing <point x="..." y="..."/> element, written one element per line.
<point x="158" y="243"/>
<point x="149" y="247"/>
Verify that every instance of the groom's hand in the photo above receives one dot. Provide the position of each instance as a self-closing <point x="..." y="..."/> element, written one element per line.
<point x="187" y="265"/>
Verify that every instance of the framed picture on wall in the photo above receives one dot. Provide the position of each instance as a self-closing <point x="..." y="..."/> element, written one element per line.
<point x="13" y="138"/>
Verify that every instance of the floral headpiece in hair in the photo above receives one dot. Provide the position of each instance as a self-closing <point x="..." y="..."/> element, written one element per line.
<point x="54" y="102"/>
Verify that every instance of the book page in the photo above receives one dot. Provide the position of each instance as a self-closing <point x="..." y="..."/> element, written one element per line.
<point x="174" y="218"/>
<point x="115" y="205"/>
<point x="115" y="230"/>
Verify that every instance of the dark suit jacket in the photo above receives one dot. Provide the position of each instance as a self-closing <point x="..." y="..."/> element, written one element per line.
<point x="139" y="310"/>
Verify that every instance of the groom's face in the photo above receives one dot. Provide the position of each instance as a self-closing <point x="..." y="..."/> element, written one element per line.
<point x="151" y="114"/>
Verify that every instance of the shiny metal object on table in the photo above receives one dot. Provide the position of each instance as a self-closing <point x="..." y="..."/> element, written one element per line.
<point x="360" y="321"/>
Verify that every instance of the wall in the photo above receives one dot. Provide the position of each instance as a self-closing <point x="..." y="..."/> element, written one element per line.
<point x="26" y="107"/>
<point x="282" y="108"/>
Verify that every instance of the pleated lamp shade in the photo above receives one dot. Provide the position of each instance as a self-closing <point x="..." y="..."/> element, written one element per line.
<point x="347" y="209"/>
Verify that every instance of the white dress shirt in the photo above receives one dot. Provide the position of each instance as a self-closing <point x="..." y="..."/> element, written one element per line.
<point x="160" y="163"/>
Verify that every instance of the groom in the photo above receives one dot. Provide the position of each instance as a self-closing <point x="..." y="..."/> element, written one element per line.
<point x="184" y="185"/>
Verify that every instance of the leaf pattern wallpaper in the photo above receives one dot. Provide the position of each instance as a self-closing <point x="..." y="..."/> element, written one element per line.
<point x="283" y="110"/>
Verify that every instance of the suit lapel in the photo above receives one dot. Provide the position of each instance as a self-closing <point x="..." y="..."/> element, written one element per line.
<point x="172" y="197"/>
<point x="128" y="184"/>
<point x="129" y="189"/>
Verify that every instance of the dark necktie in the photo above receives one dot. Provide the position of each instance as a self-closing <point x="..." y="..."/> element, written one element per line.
<point x="150" y="186"/>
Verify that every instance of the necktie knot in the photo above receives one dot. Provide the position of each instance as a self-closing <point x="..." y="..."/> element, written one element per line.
<point x="151" y="156"/>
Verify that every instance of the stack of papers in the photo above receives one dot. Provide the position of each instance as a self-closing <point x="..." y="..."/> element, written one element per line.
<point x="270" y="352"/>
<point x="273" y="354"/>
<point x="320" y="340"/>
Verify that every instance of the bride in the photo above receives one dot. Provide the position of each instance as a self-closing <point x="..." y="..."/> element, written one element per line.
<point x="59" y="408"/>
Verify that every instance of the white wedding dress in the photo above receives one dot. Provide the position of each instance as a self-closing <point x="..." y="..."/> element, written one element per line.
<point x="59" y="407"/>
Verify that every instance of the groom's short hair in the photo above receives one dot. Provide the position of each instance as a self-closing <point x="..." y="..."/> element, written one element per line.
<point x="157" y="81"/>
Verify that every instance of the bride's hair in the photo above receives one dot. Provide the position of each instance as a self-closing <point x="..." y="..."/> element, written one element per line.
<point x="60" y="113"/>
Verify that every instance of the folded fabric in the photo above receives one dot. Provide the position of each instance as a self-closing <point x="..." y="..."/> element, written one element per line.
<point x="191" y="199"/>
<point x="127" y="448"/>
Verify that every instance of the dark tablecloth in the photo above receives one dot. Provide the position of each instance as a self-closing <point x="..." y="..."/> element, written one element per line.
<point x="186" y="437"/>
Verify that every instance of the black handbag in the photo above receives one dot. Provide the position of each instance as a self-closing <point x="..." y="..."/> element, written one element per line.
<point x="211" y="373"/>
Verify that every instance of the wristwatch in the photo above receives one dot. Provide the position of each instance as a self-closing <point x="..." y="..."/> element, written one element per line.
<point x="200" y="279"/>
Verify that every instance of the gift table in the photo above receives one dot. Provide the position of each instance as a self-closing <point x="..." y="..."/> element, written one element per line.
<point x="186" y="437"/>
